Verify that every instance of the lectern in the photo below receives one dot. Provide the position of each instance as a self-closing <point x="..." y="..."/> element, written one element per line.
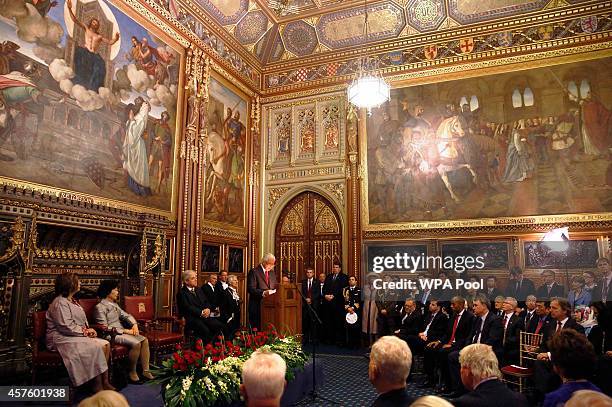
<point x="283" y="309"/>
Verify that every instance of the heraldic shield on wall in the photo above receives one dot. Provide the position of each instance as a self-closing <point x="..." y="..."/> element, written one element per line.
<point x="524" y="143"/>
<point x="88" y="102"/>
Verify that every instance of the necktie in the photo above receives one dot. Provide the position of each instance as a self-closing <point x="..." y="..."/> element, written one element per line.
<point x="309" y="289"/>
<point x="476" y="338"/>
<point x="429" y="324"/>
<point x="540" y="323"/>
<point x="604" y="290"/>
<point x="335" y="275"/>
<point x="267" y="278"/>
<point x="452" y="338"/>
<point x="518" y="286"/>
<point x="558" y="326"/>
<point x="506" y="319"/>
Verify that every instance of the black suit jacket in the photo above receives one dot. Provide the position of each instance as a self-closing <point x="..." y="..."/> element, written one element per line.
<point x="557" y="290"/>
<point x="214" y="297"/>
<point x="523" y="319"/>
<point x="256" y="283"/>
<point x="412" y="324"/>
<point x="527" y="288"/>
<point x="551" y="328"/>
<point x="229" y="306"/>
<point x="492" y="332"/>
<point x="511" y="338"/>
<point x="598" y="292"/>
<point x="533" y="324"/>
<point x="335" y="288"/>
<point x="394" y="398"/>
<point x="491" y="393"/>
<point x="438" y="326"/>
<point x="315" y="292"/>
<point x="191" y="305"/>
<point x="464" y="327"/>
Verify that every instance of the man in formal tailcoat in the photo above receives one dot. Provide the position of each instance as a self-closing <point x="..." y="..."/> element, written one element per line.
<point x="261" y="282"/>
<point x="352" y="305"/>
<point x="195" y="308"/>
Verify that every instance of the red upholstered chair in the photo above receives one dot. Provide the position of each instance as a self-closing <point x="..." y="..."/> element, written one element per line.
<point x="118" y="352"/>
<point x="161" y="332"/>
<point x="41" y="356"/>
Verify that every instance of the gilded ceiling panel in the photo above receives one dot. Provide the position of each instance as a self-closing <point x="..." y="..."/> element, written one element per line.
<point x="474" y="11"/>
<point x="252" y="27"/>
<point x="345" y="28"/>
<point x="225" y="11"/>
<point x="425" y="15"/>
<point x="300" y="38"/>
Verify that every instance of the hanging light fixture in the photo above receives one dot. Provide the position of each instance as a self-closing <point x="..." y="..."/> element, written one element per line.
<point x="368" y="88"/>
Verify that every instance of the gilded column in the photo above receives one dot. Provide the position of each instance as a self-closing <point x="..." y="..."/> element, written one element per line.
<point x="353" y="179"/>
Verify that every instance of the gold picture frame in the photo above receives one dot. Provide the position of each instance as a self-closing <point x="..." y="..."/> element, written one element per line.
<point x="478" y="226"/>
<point x="160" y="29"/>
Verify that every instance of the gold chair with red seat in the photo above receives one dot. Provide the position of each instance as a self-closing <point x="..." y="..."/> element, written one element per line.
<point x="41" y="356"/>
<point x="518" y="375"/>
<point x="160" y="331"/>
<point x="118" y="352"/>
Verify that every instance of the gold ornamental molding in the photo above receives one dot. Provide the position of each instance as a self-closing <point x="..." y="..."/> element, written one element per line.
<point x="337" y="190"/>
<point x="158" y="254"/>
<point x="220" y="232"/>
<point x="274" y="194"/>
<point x="282" y="176"/>
<point x="17" y="241"/>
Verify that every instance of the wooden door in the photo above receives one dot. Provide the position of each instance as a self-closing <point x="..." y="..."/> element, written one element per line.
<point x="308" y="232"/>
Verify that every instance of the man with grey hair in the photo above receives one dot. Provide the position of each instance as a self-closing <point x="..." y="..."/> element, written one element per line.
<point x="390" y="362"/>
<point x="263" y="379"/>
<point x="261" y="282"/>
<point x="480" y="375"/>
<point x="195" y="308"/>
<point x="512" y="325"/>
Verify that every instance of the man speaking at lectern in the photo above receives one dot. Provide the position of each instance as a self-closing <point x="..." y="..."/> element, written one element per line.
<point x="261" y="282"/>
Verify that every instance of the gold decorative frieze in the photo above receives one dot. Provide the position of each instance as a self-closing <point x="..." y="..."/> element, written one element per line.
<point x="274" y="194"/>
<point x="224" y="233"/>
<point x="17" y="240"/>
<point x="337" y="189"/>
<point x="306" y="173"/>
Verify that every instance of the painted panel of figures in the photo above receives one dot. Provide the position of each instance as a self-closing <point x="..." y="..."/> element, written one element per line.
<point x="495" y="255"/>
<point x="533" y="142"/>
<point x="224" y="190"/>
<point x="88" y="101"/>
<point x="558" y="255"/>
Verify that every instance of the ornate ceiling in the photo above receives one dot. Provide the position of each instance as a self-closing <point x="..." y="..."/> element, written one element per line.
<point x="278" y="37"/>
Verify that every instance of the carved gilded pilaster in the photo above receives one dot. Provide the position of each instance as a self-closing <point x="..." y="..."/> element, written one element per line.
<point x="192" y="154"/>
<point x="254" y="191"/>
<point x="353" y="179"/>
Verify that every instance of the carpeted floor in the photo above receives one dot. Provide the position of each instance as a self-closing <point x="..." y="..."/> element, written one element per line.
<point x="346" y="382"/>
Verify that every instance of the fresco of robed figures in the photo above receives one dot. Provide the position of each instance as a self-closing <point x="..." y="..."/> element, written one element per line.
<point x="225" y="185"/>
<point x="523" y="143"/>
<point x="87" y="101"/>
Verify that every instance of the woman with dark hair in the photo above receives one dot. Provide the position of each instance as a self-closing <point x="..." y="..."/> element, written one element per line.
<point x="590" y="281"/>
<point x="578" y="295"/>
<point x="85" y="356"/>
<point x="573" y="360"/>
<point x="110" y="314"/>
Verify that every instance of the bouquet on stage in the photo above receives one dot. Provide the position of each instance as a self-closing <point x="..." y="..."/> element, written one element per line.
<point x="210" y="375"/>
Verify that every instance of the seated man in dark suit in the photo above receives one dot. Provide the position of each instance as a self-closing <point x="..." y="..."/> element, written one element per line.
<point x="433" y="328"/>
<point x="410" y="321"/>
<point x="457" y="335"/>
<point x="550" y="288"/>
<point x="480" y="375"/>
<point x="512" y="325"/>
<point x="195" y="308"/>
<point x="390" y="362"/>
<point x="545" y="379"/>
<point x="213" y="294"/>
<point x="540" y="319"/>
<point x="487" y="328"/>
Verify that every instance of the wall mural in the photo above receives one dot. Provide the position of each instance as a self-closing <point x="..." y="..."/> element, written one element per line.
<point x="533" y="142"/>
<point x="224" y="191"/>
<point x="87" y="101"/>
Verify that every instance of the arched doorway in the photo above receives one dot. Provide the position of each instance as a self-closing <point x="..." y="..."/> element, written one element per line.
<point x="308" y="232"/>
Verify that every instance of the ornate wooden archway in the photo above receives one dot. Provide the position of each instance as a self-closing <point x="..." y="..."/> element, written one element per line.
<point x="308" y="232"/>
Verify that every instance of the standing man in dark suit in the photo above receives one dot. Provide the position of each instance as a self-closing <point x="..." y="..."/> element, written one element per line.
<point x="491" y="290"/>
<point x="604" y="289"/>
<point x="261" y="281"/>
<point x="518" y="286"/>
<point x="457" y="335"/>
<point x="487" y="329"/>
<point x="321" y="307"/>
<point x="550" y="288"/>
<point x="332" y="291"/>
<point x="511" y="324"/>
<point x="195" y="308"/>
<point x="480" y="375"/>
<point x="312" y="293"/>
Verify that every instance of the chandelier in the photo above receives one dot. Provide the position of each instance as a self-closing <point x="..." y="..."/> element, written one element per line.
<point x="368" y="88"/>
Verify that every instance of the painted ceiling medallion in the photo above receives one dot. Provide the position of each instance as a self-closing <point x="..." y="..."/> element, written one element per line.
<point x="252" y="27"/>
<point x="300" y="38"/>
<point x="425" y="15"/>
